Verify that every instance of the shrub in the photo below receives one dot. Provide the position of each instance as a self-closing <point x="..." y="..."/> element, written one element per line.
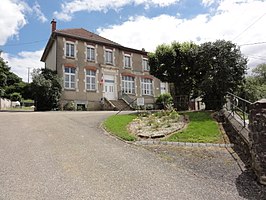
<point x="70" y="106"/>
<point x="165" y="100"/>
<point x="15" y="96"/>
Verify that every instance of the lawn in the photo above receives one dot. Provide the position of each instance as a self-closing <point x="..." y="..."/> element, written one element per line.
<point x="202" y="128"/>
<point x="117" y="125"/>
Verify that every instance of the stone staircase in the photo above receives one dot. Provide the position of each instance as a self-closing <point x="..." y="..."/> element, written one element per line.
<point x="120" y="104"/>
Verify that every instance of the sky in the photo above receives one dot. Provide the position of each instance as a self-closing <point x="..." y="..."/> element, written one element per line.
<point x="25" y="25"/>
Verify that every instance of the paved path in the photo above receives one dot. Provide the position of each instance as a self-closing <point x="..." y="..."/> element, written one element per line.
<point x="65" y="155"/>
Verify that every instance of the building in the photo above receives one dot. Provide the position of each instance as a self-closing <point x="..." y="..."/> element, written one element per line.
<point x="97" y="71"/>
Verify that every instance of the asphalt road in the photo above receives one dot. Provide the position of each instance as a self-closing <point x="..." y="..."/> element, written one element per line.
<point x="66" y="155"/>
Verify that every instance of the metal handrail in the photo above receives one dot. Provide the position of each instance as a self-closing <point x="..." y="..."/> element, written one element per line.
<point x="238" y="106"/>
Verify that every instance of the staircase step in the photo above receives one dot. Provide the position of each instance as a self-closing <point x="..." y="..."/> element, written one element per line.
<point x="120" y="104"/>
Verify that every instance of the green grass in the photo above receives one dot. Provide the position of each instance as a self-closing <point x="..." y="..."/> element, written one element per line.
<point x="23" y="108"/>
<point x="117" y="125"/>
<point x="201" y="129"/>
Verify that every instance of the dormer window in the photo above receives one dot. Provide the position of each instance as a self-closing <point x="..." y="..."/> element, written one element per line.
<point x="109" y="57"/>
<point x="70" y="49"/>
<point x="127" y="61"/>
<point x="145" y="64"/>
<point x="91" y="53"/>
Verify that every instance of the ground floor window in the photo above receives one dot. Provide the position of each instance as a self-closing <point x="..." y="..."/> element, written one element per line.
<point x="146" y="86"/>
<point x="128" y="84"/>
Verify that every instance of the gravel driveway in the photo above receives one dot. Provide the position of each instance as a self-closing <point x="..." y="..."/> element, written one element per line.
<point x="65" y="155"/>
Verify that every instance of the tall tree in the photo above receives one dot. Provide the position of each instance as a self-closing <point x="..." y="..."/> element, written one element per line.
<point x="223" y="68"/>
<point x="46" y="87"/>
<point x="175" y="64"/>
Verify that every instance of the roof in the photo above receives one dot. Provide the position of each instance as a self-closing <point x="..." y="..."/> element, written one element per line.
<point x="83" y="34"/>
<point x="86" y="35"/>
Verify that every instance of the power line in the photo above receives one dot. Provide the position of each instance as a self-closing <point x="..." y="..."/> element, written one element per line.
<point x="250" y="26"/>
<point x="25" y="43"/>
<point x="255" y="43"/>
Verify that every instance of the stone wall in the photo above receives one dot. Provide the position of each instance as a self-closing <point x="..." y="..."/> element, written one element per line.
<point x="257" y="136"/>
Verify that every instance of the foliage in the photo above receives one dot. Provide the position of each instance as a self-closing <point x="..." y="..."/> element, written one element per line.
<point x="175" y="63"/>
<point x="202" y="128"/>
<point x="15" y="97"/>
<point x="70" y="106"/>
<point x="209" y="70"/>
<point x="46" y="88"/>
<point x="165" y="99"/>
<point x="117" y="125"/>
<point x="223" y="69"/>
<point x="10" y="83"/>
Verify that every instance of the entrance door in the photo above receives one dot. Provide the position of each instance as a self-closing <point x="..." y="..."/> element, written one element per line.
<point x="109" y="87"/>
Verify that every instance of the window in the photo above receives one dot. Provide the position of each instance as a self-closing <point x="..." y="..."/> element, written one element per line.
<point x="109" y="57"/>
<point x="70" y="50"/>
<point x="128" y="84"/>
<point x="90" y="53"/>
<point x="127" y="61"/>
<point x="146" y="86"/>
<point x="70" y="78"/>
<point x="145" y="64"/>
<point x="91" y="80"/>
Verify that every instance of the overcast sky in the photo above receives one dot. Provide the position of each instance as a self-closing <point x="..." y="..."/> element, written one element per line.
<point x="25" y="25"/>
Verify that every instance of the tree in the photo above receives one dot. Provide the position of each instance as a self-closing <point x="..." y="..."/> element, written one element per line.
<point x="209" y="70"/>
<point x="255" y="85"/>
<point x="223" y="69"/>
<point x="175" y="64"/>
<point x="15" y="96"/>
<point x="46" y="87"/>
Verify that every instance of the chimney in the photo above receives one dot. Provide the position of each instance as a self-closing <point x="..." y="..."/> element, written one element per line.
<point x="53" y="22"/>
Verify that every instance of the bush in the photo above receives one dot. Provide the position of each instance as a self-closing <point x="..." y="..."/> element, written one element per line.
<point x="165" y="100"/>
<point x="70" y="106"/>
<point x="15" y="97"/>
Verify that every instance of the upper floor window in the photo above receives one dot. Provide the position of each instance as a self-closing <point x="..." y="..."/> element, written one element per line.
<point x="146" y="86"/>
<point x="70" y="49"/>
<point x="127" y="61"/>
<point x="109" y="56"/>
<point x="70" y="78"/>
<point x="91" y="80"/>
<point x="128" y="84"/>
<point x="90" y="53"/>
<point x="145" y="64"/>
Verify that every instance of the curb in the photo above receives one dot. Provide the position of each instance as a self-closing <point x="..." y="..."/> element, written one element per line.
<point x="187" y="144"/>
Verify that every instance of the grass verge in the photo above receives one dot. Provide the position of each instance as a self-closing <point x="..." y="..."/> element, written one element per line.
<point x="202" y="128"/>
<point x="117" y="125"/>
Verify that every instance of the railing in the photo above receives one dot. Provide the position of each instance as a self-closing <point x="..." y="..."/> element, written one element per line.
<point x="129" y="101"/>
<point x="238" y="106"/>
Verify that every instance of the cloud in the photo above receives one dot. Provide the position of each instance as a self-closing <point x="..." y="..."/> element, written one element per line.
<point x="71" y="7"/>
<point x="230" y="21"/>
<point x="37" y="10"/>
<point x="26" y="59"/>
<point x="12" y="19"/>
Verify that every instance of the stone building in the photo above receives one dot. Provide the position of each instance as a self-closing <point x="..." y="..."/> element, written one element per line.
<point x="94" y="69"/>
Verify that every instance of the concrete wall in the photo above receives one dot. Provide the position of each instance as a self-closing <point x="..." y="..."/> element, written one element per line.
<point x="5" y="104"/>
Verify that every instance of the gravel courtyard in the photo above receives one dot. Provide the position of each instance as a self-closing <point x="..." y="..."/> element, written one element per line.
<point x="66" y="155"/>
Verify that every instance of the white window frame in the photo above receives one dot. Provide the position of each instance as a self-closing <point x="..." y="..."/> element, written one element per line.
<point x="145" y="64"/>
<point x="68" y="51"/>
<point x="129" y="64"/>
<point x="68" y="83"/>
<point x="146" y="86"/>
<point x="109" y="60"/>
<point x="128" y="84"/>
<point x="91" y="76"/>
<point x="89" y="53"/>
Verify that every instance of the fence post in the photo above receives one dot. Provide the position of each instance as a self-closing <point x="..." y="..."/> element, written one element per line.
<point x="257" y="136"/>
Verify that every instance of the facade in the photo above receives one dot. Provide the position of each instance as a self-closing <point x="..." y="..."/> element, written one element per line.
<point x="94" y="68"/>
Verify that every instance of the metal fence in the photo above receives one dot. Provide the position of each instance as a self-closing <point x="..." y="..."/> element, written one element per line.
<point x="238" y="107"/>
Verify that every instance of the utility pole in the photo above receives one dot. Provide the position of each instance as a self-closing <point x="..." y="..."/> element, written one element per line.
<point x="28" y="75"/>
